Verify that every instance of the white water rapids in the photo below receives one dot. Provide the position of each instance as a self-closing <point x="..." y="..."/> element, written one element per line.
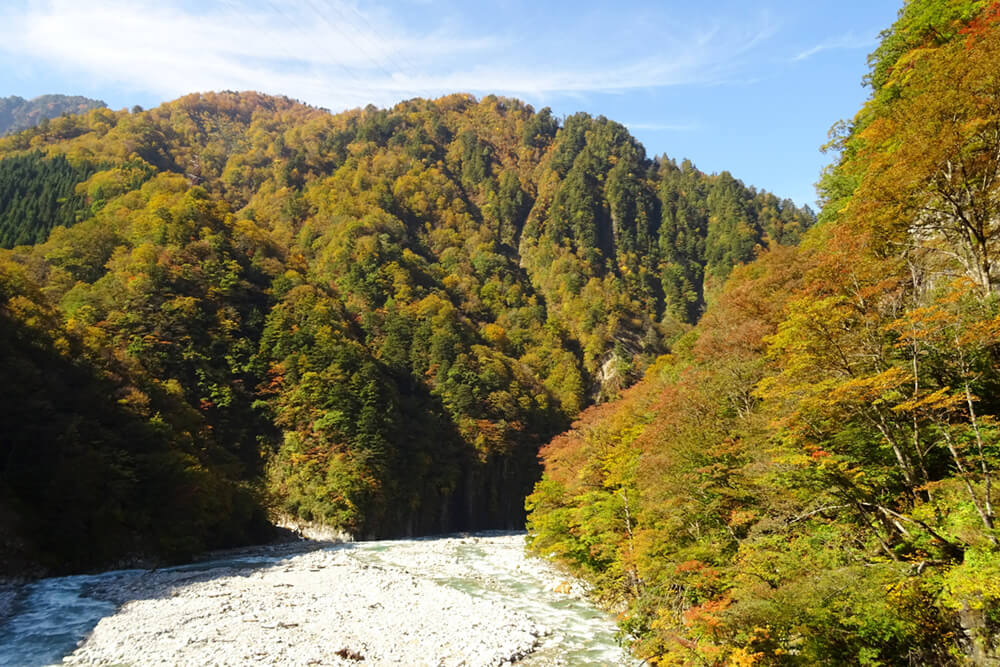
<point x="458" y="600"/>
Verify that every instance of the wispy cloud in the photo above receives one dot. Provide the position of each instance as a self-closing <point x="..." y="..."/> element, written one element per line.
<point x="664" y="127"/>
<point x="846" y="41"/>
<point x="338" y="54"/>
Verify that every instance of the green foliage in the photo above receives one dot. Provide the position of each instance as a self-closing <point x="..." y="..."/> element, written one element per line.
<point x="810" y="477"/>
<point x="37" y="194"/>
<point x="923" y="23"/>
<point x="373" y="318"/>
<point x="100" y="461"/>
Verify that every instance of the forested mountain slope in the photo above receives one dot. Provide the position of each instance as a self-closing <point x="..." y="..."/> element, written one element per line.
<point x="810" y="476"/>
<point x="17" y="113"/>
<point x="370" y="319"/>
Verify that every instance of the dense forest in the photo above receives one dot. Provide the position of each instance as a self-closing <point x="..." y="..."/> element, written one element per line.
<point x="809" y="477"/>
<point x="237" y="305"/>
<point x="766" y="437"/>
<point x="17" y="113"/>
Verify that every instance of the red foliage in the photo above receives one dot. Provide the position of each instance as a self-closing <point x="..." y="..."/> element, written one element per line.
<point x="980" y="26"/>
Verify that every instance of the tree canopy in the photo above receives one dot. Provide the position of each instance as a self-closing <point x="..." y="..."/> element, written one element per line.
<point x="809" y="476"/>
<point x="370" y="320"/>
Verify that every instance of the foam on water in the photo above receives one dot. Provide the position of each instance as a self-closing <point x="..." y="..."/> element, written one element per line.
<point x="492" y="565"/>
<point x="51" y="616"/>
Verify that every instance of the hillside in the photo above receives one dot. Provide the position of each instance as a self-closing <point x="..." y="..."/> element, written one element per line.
<point x="809" y="476"/>
<point x="370" y="320"/>
<point x="17" y="113"/>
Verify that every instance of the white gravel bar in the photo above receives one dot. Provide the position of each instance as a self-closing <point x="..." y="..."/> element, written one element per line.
<point x="466" y="600"/>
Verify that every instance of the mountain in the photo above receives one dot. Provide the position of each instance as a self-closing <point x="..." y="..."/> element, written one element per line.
<point x="809" y="476"/>
<point x="17" y="113"/>
<point x="371" y="320"/>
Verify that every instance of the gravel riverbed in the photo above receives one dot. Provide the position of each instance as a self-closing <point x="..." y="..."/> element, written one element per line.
<point x="463" y="600"/>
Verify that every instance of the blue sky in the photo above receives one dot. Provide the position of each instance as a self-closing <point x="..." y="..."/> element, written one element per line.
<point x="749" y="87"/>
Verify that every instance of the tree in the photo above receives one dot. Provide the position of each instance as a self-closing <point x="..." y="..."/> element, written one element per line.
<point x="933" y="175"/>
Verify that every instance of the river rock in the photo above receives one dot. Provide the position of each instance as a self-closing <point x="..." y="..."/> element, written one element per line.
<point x="317" y="608"/>
<point x="464" y="600"/>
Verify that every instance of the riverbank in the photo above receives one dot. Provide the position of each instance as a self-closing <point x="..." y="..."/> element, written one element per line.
<point x="466" y="600"/>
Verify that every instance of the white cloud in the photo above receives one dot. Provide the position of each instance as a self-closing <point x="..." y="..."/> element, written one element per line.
<point x="337" y="55"/>
<point x="845" y="41"/>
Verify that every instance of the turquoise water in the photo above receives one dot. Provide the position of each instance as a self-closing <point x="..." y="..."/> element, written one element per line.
<point x="50" y="617"/>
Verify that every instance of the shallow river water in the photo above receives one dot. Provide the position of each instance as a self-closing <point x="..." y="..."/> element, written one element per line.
<point x="455" y="600"/>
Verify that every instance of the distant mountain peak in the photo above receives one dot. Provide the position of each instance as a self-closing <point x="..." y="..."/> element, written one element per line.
<point x="17" y="113"/>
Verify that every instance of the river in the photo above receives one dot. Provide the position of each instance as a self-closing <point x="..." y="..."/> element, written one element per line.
<point x="454" y="600"/>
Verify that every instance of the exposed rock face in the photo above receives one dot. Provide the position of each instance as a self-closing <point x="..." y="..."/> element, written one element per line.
<point x="980" y="645"/>
<point x="311" y="531"/>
